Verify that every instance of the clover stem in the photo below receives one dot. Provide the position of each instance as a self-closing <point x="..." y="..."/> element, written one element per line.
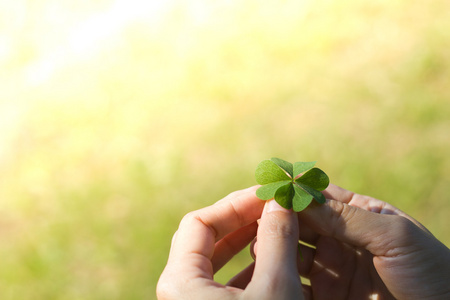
<point x="300" y="251"/>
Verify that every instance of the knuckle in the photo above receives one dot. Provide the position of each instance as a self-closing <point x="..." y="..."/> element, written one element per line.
<point x="279" y="228"/>
<point x="188" y="218"/>
<point x="404" y="228"/>
<point x="403" y="236"/>
<point x="336" y="213"/>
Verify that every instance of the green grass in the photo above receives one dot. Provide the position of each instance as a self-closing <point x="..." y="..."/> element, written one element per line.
<point x="101" y="159"/>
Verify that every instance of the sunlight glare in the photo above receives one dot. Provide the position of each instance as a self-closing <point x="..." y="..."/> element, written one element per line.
<point x="95" y="34"/>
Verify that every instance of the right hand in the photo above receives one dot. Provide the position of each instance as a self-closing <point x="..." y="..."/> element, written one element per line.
<point x="365" y="247"/>
<point x="369" y="249"/>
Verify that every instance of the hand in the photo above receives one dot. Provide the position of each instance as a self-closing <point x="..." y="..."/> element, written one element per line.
<point x="368" y="249"/>
<point x="208" y="238"/>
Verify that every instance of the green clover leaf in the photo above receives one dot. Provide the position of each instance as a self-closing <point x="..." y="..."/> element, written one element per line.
<point x="280" y="180"/>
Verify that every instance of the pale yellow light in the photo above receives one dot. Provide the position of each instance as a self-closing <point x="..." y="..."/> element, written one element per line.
<point x="89" y="36"/>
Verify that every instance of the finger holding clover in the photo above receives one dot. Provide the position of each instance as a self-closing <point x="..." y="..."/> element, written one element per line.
<point x="347" y="246"/>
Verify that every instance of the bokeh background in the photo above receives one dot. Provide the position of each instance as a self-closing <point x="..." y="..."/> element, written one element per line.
<point x="120" y="116"/>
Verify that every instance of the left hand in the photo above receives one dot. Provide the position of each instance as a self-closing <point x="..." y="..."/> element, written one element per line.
<point x="208" y="238"/>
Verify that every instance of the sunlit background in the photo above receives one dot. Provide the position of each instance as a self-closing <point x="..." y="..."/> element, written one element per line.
<point x="118" y="117"/>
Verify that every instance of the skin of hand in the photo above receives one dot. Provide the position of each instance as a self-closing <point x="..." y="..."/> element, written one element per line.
<point x="364" y="248"/>
<point x="208" y="238"/>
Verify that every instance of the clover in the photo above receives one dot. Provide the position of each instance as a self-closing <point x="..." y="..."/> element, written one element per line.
<point x="280" y="180"/>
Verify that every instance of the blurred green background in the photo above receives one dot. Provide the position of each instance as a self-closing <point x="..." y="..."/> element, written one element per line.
<point x="119" y="117"/>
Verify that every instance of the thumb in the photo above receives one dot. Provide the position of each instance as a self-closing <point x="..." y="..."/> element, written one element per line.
<point x="378" y="233"/>
<point x="276" y="262"/>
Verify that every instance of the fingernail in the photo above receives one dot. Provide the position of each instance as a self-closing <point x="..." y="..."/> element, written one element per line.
<point x="274" y="206"/>
<point x="253" y="249"/>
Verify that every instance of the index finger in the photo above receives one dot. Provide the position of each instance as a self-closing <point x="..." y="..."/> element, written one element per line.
<point x="335" y="192"/>
<point x="200" y="230"/>
<point x="368" y="203"/>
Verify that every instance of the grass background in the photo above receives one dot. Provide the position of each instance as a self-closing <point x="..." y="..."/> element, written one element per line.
<point x="118" y="117"/>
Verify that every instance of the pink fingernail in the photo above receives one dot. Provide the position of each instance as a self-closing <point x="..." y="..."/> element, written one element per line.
<point x="274" y="206"/>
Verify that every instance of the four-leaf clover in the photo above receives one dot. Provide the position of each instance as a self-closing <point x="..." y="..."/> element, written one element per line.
<point x="279" y="180"/>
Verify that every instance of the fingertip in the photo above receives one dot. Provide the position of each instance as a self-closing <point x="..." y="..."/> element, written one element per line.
<point x="277" y="241"/>
<point x="273" y="205"/>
